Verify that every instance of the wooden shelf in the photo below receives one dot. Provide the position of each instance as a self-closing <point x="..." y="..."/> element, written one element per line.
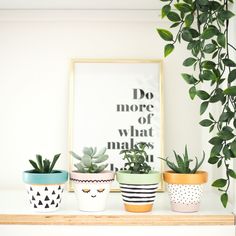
<point x="144" y="220"/>
<point x="14" y="210"/>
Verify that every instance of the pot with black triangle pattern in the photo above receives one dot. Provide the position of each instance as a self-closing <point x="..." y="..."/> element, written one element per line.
<point x="45" y="186"/>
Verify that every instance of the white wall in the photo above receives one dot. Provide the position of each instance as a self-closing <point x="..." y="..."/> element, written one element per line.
<point x="35" y="50"/>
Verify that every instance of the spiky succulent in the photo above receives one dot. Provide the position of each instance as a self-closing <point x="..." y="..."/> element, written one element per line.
<point x="183" y="163"/>
<point x="44" y="166"/>
<point x="136" y="159"/>
<point x="91" y="160"/>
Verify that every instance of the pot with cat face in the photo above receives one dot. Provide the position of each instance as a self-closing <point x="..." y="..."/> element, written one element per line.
<point x="92" y="189"/>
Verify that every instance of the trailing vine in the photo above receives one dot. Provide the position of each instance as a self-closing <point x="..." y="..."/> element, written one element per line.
<point x="204" y="25"/>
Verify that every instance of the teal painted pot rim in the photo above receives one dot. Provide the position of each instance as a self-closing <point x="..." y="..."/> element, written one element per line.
<point x="58" y="177"/>
<point x="124" y="177"/>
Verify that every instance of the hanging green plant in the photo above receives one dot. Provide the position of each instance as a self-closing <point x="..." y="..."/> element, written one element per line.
<point x="204" y="25"/>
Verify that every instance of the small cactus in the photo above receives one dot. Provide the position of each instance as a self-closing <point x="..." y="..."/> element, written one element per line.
<point x="91" y="160"/>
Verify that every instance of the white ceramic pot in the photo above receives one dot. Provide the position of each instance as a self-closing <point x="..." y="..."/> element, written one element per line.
<point x="45" y="190"/>
<point x="185" y="197"/>
<point x="185" y="190"/>
<point x="92" y="189"/>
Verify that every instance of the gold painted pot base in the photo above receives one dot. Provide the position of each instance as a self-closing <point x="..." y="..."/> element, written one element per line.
<point x="138" y="208"/>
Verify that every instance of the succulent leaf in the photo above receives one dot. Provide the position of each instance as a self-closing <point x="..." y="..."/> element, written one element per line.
<point x="80" y="168"/>
<point x="183" y="163"/>
<point x="101" y="168"/>
<point x="75" y="156"/>
<point x="101" y="151"/>
<point x="88" y="151"/>
<point x="101" y="159"/>
<point x="89" y="160"/>
<point x="86" y="160"/>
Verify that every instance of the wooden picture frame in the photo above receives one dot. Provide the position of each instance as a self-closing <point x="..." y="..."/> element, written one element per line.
<point x="116" y="103"/>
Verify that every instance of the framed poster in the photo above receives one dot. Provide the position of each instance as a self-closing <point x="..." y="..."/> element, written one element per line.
<point x="116" y="103"/>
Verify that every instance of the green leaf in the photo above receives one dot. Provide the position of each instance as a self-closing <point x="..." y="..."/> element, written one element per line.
<point x="188" y="78"/>
<point x="226" y="15"/>
<point x="168" y="49"/>
<point x="192" y="92"/>
<point x="80" y="168"/>
<point x="229" y="62"/>
<point x="203" y="17"/>
<point x="165" y="34"/>
<point x="224" y="199"/>
<point x="219" y="183"/>
<point x="88" y="150"/>
<point x="232" y="173"/>
<point x="203" y="107"/>
<point x="208" y="75"/>
<point x="102" y="151"/>
<point x="173" y="16"/>
<point x="186" y="35"/>
<point x="232" y="76"/>
<point x="189" y="61"/>
<point x="193" y="32"/>
<point x="188" y="1"/>
<point x="46" y="164"/>
<point x="226" y="135"/>
<point x="165" y="10"/>
<point x="230" y="91"/>
<point x="55" y="158"/>
<point x="189" y="20"/>
<point x="209" y="32"/>
<point x="233" y="147"/>
<point x="209" y="48"/>
<point x="208" y="64"/>
<point x="101" y="168"/>
<point x="34" y="165"/>
<point x="221" y="40"/>
<point x="206" y="123"/>
<point x="202" y="95"/>
<point x="215" y="141"/>
<point x="75" y="155"/>
<point x="183" y="7"/>
<point x="215" y="151"/>
<point x="227" y="153"/>
<point x="203" y="2"/>
<point x="40" y="162"/>
<point x="213" y="160"/>
<point x="101" y="159"/>
<point x="87" y="160"/>
<point x="175" y="24"/>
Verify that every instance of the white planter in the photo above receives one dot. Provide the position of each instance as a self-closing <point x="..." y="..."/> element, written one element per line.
<point x="185" y="197"/>
<point x="45" y="190"/>
<point x="185" y="190"/>
<point x="92" y="189"/>
<point x="45" y="198"/>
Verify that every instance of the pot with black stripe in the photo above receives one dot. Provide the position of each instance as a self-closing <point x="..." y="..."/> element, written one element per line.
<point x="138" y="190"/>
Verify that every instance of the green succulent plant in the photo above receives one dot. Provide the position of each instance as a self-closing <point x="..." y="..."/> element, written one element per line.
<point x="183" y="163"/>
<point x="136" y="159"/>
<point x="44" y="166"/>
<point x="91" y="160"/>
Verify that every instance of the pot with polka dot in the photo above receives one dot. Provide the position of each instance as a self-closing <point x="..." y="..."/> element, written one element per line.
<point x="185" y="190"/>
<point x="92" y="189"/>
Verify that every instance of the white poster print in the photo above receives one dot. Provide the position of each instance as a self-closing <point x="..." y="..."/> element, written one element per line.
<point x="117" y="105"/>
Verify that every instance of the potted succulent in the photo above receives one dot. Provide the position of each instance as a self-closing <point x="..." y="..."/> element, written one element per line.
<point x="91" y="182"/>
<point x="45" y="185"/>
<point x="185" y="183"/>
<point x="138" y="183"/>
